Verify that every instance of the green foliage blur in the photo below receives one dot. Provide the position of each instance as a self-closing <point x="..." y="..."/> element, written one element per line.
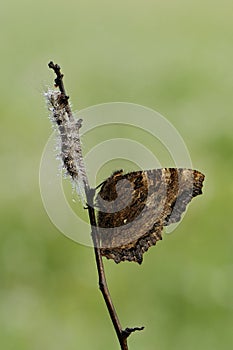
<point x="175" y="57"/>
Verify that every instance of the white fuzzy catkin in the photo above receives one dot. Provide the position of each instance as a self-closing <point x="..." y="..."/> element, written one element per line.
<point x="68" y="140"/>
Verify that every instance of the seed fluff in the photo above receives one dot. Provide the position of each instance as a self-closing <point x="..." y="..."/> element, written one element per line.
<point x="68" y="137"/>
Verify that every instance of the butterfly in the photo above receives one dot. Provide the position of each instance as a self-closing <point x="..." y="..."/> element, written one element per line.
<point x="133" y="208"/>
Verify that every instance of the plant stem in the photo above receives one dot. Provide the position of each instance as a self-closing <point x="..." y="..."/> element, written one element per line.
<point x="101" y="273"/>
<point x="90" y="193"/>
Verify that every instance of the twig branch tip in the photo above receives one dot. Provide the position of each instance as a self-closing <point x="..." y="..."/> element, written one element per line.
<point x="127" y="331"/>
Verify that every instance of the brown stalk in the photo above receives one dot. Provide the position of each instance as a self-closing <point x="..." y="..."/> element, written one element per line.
<point x="122" y="334"/>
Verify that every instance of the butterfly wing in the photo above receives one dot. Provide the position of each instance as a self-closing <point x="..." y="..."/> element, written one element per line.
<point x="133" y="208"/>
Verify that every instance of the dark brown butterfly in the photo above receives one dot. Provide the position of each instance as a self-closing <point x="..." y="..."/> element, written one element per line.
<point x="133" y="208"/>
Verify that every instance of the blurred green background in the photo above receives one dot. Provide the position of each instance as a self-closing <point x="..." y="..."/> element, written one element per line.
<point x="175" y="57"/>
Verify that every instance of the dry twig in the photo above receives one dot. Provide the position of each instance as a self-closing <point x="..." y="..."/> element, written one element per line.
<point x="73" y="163"/>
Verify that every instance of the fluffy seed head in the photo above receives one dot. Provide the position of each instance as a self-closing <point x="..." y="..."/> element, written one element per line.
<point x="69" y="144"/>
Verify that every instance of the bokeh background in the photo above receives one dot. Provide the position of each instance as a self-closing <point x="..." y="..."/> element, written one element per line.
<point x="175" y="57"/>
